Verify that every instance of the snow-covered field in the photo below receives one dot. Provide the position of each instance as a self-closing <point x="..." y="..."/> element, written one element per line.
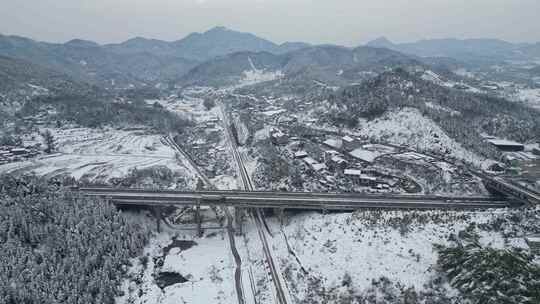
<point x="315" y="253"/>
<point x="255" y="75"/>
<point x="366" y="247"/>
<point x="408" y="127"/>
<point x="101" y="154"/>
<point x="207" y="266"/>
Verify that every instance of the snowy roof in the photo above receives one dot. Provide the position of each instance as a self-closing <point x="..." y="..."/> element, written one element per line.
<point x="310" y="160"/>
<point x="353" y="172"/>
<point x="318" y="167"/>
<point x="364" y="155"/>
<point x="334" y="143"/>
<point x="379" y="147"/>
<point x="347" y="138"/>
<point x="533" y="238"/>
<point x="338" y="159"/>
<point x="300" y="154"/>
<point x="18" y="150"/>
<point x="504" y="142"/>
<point x="274" y="112"/>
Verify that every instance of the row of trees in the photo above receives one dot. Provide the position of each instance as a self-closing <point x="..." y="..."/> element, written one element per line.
<point x="59" y="247"/>
<point x="95" y="111"/>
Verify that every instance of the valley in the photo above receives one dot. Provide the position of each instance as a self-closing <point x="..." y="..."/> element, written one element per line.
<point x="226" y="110"/>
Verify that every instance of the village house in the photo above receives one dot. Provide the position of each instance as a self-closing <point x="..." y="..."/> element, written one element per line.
<point x="318" y="167"/>
<point x="315" y="165"/>
<point x="310" y="161"/>
<point x="278" y="137"/>
<point x="349" y="143"/>
<point x="337" y="163"/>
<point x="334" y="143"/>
<point x="533" y="241"/>
<point x="300" y="154"/>
<point x="10" y="154"/>
<point x="359" y="178"/>
<point x="507" y="145"/>
<point x="328" y="154"/>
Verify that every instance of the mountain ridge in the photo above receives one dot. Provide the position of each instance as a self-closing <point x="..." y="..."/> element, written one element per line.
<point x="467" y="50"/>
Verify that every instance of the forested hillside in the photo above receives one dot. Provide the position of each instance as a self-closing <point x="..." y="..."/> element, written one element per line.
<point x="21" y="80"/>
<point x="58" y="247"/>
<point x="328" y="64"/>
<point x="463" y="115"/>
<point x="96" y="111"/>
<point x="488" y="275"/>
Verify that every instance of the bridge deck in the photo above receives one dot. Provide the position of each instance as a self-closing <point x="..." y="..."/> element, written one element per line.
<point x="296" y="200"/>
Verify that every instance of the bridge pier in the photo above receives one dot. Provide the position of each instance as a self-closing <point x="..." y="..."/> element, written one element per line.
<point x="238" y="220"/>
<point x="157" y="214"/>
<point x="198" y="218"/>
<point x="281" y="216"/>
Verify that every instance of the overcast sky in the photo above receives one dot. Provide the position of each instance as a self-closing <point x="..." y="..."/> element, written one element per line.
<point x="346" y="22"/>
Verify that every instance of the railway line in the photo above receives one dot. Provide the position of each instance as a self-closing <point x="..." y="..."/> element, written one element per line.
<point x="255" y="201"/>
<point x="280" y="293"/>
<point x="230" y="228"/>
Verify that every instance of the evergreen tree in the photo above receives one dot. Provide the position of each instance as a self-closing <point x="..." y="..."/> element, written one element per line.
<point x="50" y="142"/>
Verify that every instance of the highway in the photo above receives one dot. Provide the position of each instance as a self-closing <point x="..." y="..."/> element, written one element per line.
<point x="257" y="200"/>
<point x="304" y="201"/>
<point x="511" y="189"/>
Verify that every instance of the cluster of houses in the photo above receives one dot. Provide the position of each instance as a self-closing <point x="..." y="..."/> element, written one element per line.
<point x="514" y="152"/>
<point x="278" y="137"/>
<point x="335" y="161"/>
<point x="345" y="143"/>
<point x="9" y="154"/>
<point x="212" y="126"/>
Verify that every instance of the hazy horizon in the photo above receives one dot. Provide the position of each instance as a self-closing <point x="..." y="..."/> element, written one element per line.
<point x="341" y="22"/>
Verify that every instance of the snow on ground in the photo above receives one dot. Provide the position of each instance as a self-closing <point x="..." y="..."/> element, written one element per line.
<point x="409" y="127"/>
<point x="225" y="182"/>
<point x="330" y="246"/>
<point x="262" y="134"/>
<point x="257" y="76"/>
<point x="529" y="96"/>
<point x="254" y="262"/>
<point x="208" y="267"/>
<point x="464" y="73"/>
<point x="441" y="108"/>
<point x="101" y="154"/>
<point x="438" y="80"/>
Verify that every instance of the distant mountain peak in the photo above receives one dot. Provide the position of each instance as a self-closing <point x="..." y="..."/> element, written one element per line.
<point x="380" y="42"/>
<point x="136" y="39"/>
<point x="219" y="28"/>
<point x="81" y="43"/>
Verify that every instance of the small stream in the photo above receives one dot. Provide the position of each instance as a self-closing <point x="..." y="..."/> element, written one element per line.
<point x="168" y="278"/>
